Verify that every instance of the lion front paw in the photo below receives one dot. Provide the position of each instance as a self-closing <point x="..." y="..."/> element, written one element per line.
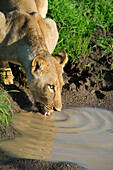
<point x="6" y="76"/>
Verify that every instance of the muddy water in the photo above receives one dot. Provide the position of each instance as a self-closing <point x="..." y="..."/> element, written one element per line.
<point x="81" y="135"/>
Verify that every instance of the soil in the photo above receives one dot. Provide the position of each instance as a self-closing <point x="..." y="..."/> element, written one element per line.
<point x="88" y="82"/>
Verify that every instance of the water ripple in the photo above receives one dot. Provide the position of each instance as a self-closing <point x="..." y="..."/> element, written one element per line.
<point x="82" y="135"/>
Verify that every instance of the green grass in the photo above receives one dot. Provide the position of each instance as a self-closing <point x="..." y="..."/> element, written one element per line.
<point x="77" y="21"/>
<point x="5" y="108"/>
<point x="101" y="75"/>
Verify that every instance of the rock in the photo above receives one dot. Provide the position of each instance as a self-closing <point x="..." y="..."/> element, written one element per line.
<point x="72" y="87"/>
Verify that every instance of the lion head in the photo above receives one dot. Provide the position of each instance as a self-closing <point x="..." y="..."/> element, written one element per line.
<point x="47" y="82"/>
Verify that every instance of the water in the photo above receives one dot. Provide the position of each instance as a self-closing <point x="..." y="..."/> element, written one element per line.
<point x="81" y="135"/>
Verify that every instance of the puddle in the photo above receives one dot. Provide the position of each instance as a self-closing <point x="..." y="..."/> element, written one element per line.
<point x="81" y="135"/>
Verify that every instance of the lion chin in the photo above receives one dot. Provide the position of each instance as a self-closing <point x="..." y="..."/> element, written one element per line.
<point x="38" y="108"/>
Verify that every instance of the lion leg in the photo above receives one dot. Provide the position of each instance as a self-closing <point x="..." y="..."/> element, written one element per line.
<point x="42" y="7"/>
<point x="6" y="75"/>
<point x="52" y="34"/>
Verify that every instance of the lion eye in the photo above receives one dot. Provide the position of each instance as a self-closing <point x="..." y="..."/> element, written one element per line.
<point x="51" y="88"/>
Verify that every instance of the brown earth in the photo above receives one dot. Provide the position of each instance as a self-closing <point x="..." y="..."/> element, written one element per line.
<point x="88" y="82"/>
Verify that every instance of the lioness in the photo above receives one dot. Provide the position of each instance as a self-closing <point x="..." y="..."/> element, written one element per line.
<point x="27" y="38"/>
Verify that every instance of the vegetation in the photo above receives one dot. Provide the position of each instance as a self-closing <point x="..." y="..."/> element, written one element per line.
<point x="6" y="111"/>
<point x="77" y="22"/>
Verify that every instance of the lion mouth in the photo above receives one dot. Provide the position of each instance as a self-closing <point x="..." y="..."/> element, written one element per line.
<point x="45" y="113"/>
<point x="40" y="108"/>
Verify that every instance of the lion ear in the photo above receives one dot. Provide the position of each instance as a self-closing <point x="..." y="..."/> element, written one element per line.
<point x="39" y="63"/>
<point x="62" y="58"/>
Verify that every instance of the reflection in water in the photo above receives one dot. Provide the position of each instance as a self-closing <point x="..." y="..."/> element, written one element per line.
<point x="35" y="139"/>
<point x="81" y="135"/>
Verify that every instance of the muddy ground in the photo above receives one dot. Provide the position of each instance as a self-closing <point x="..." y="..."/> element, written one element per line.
<point x="88" y="82"/>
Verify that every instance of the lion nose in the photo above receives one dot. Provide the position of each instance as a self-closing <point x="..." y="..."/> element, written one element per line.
<point x="58" y="104"/>
<point x="56" y="109"/>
